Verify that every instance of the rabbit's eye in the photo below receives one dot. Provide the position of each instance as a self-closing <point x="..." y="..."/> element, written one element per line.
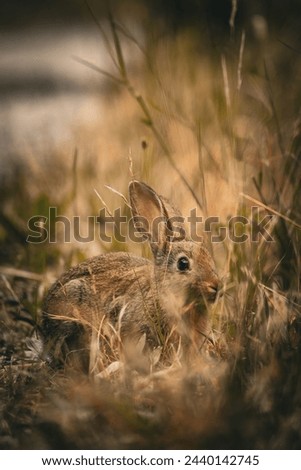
<point x="183" y="263"/>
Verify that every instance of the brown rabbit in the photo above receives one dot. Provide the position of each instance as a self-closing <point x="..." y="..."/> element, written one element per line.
<point x="170" y="294"/>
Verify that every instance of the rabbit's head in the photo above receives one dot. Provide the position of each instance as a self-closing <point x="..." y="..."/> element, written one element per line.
<point x="184" y="270"/>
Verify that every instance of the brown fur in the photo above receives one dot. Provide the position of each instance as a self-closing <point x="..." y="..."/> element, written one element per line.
<point x="129" y="291"/>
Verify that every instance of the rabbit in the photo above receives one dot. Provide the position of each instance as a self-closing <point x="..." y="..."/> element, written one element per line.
<point x="154" y="299"/>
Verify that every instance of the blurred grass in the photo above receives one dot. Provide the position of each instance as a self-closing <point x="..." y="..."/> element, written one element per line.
<point x="229" y="122"/>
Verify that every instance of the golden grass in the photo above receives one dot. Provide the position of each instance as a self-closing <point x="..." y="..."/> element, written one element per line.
<point x="206" y="126"/>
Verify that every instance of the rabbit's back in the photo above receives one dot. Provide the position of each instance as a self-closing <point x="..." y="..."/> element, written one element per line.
<point x="103" y="286"/>
<point x="96" y="283"/>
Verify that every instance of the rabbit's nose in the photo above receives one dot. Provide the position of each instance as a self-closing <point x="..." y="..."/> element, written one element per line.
<point x="213" y="290"/>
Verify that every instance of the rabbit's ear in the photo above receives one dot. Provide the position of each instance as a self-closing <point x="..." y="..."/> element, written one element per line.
<point x="149" y="214"/>
<point x="155" y="217"/>
<point x="175" y="221"/>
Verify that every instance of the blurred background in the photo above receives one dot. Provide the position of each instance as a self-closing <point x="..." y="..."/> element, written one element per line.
<point x="220" y="79"/>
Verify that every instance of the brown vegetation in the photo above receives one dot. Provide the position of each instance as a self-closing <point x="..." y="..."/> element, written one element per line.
<point x="217" y="131"/>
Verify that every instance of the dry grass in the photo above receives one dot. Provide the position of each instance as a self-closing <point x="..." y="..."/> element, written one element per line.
<point x="205" y="127"/>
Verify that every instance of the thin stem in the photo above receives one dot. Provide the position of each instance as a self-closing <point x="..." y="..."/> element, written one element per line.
<point x="94" y="67"/>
